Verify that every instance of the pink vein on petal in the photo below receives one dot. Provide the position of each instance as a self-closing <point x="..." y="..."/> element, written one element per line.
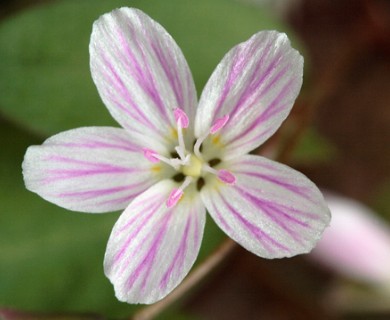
<point x="289" y="186"/>
<point x="222" y="220"/>
<point x="143" y="75"/>
<point x="145" y="266"/>
<point x="61" y="159"/>
<point x="91" y="169"/>
<point x="179" y="257"/>
<point x="123" y="91"/>
<point x="239" y="63"/>
<point x="254" y="84"/>
<point x="256" y="138"/>
<point x="272" y="212"/>
<point x="298" y="212"/>
<point x="168" y="66"/>
<point x="91" y="144"/>
<point x="124" y="199"/>
<point x="256" y="231"/>
<point x="120" y="254"/>
<point x="100" y="192"/>
<point x="234" y="71"/>
<point x="264" y="116"/>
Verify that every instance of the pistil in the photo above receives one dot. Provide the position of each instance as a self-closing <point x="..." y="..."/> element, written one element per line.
<point x="182" y="122"/>
<point x="193" y="168"/>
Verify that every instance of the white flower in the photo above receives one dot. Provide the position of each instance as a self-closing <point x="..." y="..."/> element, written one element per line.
<point x="175" y="158"/>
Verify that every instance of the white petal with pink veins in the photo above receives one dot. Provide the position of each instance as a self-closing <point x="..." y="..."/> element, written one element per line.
<point x="92" y="169"/>
<point x="271" y="210"/>
<point x="141" y="73"/>
<point x="256" y="84"/>
<point x="152" y="247"/>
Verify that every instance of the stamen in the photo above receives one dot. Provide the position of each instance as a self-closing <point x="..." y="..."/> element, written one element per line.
<point x="154" y="157"/>
<point x="226" y="176"/>
<point x="217" y="125"/>
<point x="151" y="155"/>
<point x="181" y="148"/>
<point x="177" y="193"/>
<point x="222" y="174"/>
<point x="180" y="152"/>
<point x="174" y="197"/>
<point x="198" y="143"/>
<point x="181" y="117"/>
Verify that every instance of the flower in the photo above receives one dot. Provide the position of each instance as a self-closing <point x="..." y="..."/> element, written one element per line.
<point x="175" y="158"/>
<point x="360" y="232"/>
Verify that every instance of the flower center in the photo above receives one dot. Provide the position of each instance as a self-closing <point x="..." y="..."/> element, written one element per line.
<point x="190" y="165"/>
<point x="193" y="168"/>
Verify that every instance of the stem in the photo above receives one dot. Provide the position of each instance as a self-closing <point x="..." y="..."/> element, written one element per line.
<point x="149" y="312"/>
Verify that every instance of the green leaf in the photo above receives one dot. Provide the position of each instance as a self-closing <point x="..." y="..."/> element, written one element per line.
<point x="46" y="83"/>
<point x="313" y="147"/>
<point x="381" y="200"/>
<point x="11" y="314"/>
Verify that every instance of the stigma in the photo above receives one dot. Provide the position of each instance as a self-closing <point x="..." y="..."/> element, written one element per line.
<point x="193" y="168"/>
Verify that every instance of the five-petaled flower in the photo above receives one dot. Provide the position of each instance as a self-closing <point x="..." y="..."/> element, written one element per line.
<point x="175" y="158"/>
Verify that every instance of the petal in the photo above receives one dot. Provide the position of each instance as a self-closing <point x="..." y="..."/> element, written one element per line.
<point x="272" y="210"/>
<point x="140" y="72"/>
<point x="256" y="84"/>
<point x="152" y="247"/>
<point x="93" y="169"/>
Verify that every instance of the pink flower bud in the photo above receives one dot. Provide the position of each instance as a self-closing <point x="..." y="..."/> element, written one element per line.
<point x="357" y="242"/>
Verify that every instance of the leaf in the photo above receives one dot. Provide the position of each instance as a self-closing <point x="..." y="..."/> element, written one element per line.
<point x="313" y="147"/>
<point x="10" y="314"/>
<point x="381" y="200"/>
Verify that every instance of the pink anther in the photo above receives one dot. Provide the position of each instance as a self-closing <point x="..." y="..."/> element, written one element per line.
<point x="181" y="117"/>
<point x="151" y="155"/>
<point x="174" y="197"/>
<point x="219" y="124"/>
<point x="226" y="176"/>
